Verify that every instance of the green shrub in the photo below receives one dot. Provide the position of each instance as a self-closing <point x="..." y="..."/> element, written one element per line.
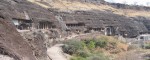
<point x="97" y="56"/>
<point x="81" y="50"/>
<point x="101" y="43"/>
<point x="83" y="53"/>
<point x="147" y="46"/>
<point x="78" y="58"/>
<point x="87" y="41"/>
<point x="72" y="46"/>
<point x="91" y="45"/>
<point x="94" y="58"/>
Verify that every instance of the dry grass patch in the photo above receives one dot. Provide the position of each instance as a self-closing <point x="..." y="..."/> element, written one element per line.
<point x="64" y="5"/>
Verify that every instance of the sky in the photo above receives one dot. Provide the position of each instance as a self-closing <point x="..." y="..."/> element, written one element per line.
<point x="137" y="2"/>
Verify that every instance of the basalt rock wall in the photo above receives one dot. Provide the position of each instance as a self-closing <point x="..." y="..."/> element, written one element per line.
<point x="11" y="42"/>
<point x="101" y="20"/>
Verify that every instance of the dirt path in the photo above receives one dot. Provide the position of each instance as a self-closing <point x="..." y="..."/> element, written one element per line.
<point x="4" y="57"/>
<point x="56" y="53"/>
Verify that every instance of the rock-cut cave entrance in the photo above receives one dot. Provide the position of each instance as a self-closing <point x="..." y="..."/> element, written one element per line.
<point x="109" y="30"/>
<point x="45" y="25"/>
<point x="22" y="24"/>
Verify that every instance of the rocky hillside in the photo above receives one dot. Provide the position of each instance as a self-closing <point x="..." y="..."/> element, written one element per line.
<point x="73" y="5"/>
<point x="11" y="42"/>
<point x="84" y="10"/>
<point x="57" y="19"/>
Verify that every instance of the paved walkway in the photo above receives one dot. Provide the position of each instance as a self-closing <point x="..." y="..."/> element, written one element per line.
<point x="56" y="53"/>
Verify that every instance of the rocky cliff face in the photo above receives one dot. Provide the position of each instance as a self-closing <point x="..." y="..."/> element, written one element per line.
<point x="56" y="19"/>
<point x="11" y="42"/>
<point x="98" y="20"/>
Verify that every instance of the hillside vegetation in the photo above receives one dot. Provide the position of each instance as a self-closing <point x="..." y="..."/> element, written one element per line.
<point x="64" y="5"/>
<point x="99" y="48"/>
